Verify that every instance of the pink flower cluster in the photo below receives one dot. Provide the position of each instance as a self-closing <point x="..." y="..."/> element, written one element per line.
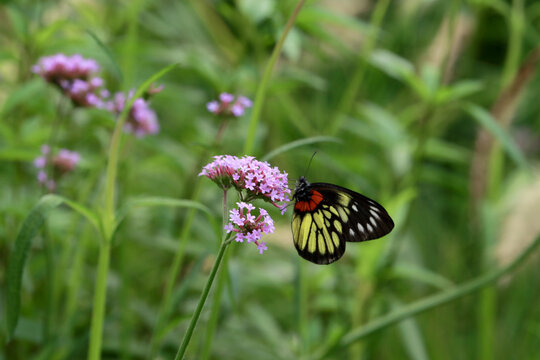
<point x="228" y="106"/>
<point x="142" y="120"/>
<point x="65" y="161"/>
<point x="248" y="227"/>
<point x="57" y="67"/>
<point x="258" y="178"/>
<point x="75" y="75"/>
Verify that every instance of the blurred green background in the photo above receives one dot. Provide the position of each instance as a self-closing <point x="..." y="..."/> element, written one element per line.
<point x="428" y="106"/>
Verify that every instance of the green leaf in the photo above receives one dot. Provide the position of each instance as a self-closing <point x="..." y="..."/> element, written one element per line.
<point x="411" y="336"/>
<point x="18" y="22"/>
<point x="458" y="91"/>
<point x="82" y="210"/>
<point x="110" y="56"/>
<point x="298" y="143"/>
<point x="16" y="154"/>
<point x="417" y="273"/>
<point x="444" y="151"/>
<point x="392" y="64"/>
<point x="385" y="125"/>
<point x="140" y="91"/>
<point x="29" y="229"/>
<point x="25" y="93"/>
<point x="257" y="10"/>
<point x="485" y="119"/>
<point x="316" y="15"/>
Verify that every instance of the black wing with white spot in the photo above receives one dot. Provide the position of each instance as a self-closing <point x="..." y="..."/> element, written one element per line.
<point x="326" y="216"/>
<point x="363" y="218"/>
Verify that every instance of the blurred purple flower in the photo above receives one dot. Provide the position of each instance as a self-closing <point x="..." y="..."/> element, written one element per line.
<point x="258" y="178"/>
<point x="65" y="161"/>
<point x="74" y="75"/>
<point x="213" y="106"/>
<point x="226" y="97"/>
<point x="42" y="176"/>
<point x="142" y="120"/>
<point x="59" y="66"/>
<point x="228" y="106"/>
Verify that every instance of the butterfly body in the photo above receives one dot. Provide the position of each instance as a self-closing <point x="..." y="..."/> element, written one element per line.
<point x="326" y="216"/>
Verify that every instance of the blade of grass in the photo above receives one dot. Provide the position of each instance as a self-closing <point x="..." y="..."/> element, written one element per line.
<point x="348" y="97"/>
<point x="431" y="302"/>
<point x="112" y="165"/>
<point x="487" y="121"/>
<point x="29" y="229"/>
<point x="108" y="53"/>
<point x="298" y="143"/>
<point x="108" y="221"/>
<point x="263" y="86"/>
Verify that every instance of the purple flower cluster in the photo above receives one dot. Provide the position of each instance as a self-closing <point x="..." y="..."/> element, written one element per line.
<point x="141" y="119"/>
<point x="75" y="76"/>
<point x="228" y="106"/>
<point x="62" y="163"/>
<point x="61" y="67"/>
<point x="258" y="178"/>
<point x="248" y="227"/>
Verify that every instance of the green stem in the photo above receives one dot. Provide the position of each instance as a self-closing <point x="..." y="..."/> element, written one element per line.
<point x="261" y="91"/>
<point x="173" y="273"/>
<point x="195" y="191"/>
<point x="302" y="308"/>
<point x="431" y="302"/>
<point x="112" y="168"/>
<point x="223" y="276"/>
<point x="214" y="310"/>
<point x="206" y="290"/>
<point x="108" y="218"/>
<point x="353" y="87"/>
<point x="100" y="292"/>
<point x="515" y="41"/>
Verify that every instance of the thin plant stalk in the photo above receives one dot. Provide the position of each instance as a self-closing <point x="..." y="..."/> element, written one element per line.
<point x="214" y="309"/>
<point x="515" y="41"/>
<point x="108" y="221"/>
<point x="98" y="310"/>
<point x="487" y="304"/>
<point x="302" y="308"/>
<point x="179" y="254"/>
<point x="353" y="86"/>
<point x="431" y="302"/>
<point x="261" y="90"/>
<point x="207" y="287"/>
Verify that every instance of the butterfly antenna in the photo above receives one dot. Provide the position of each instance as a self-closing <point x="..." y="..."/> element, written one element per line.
<point x="309" y="164"/>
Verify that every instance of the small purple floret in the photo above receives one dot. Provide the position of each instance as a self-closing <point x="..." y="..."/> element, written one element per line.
<point x="248" y="227"/>
<point x="228" y="106"/>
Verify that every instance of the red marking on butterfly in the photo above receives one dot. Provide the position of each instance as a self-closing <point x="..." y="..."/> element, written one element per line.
<point x="309" y="205"/>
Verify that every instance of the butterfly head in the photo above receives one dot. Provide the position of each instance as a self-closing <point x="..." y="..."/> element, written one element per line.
<point x="301" y="192"/>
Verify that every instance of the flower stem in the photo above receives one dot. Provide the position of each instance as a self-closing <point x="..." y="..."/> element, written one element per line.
<point x="261" y="91"/>
<point x="98" y="312"/>
<point x="202" y="300"/>
<point x="207" y="287"/>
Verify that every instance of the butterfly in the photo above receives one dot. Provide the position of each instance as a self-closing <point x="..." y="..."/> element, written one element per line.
<point x="326" y="216"/>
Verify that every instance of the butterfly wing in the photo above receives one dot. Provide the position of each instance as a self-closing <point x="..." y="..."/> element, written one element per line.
<point x="335" y="215"/>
